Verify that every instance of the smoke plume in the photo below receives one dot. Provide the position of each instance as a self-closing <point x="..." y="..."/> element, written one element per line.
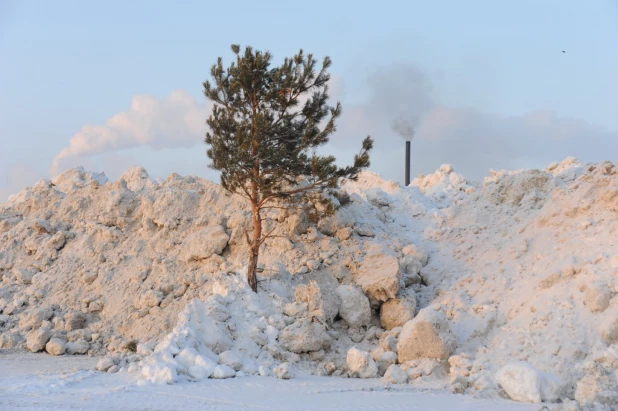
<point x="402" y="94"/>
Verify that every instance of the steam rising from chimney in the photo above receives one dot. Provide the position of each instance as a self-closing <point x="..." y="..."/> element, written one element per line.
<point x="404" y="127"/>
<point x="401" y="94"/>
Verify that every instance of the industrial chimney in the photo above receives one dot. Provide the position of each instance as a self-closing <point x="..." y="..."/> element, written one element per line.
<point x="407" y="163"/>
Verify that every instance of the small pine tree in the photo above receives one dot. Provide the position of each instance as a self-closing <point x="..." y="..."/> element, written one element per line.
<point x="263" y="140"/>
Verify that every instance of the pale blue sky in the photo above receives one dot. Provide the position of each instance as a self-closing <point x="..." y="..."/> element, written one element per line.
<point x="65" y="64"/>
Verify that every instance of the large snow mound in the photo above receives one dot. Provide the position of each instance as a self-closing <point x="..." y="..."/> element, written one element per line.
<point x="519" y="274"/>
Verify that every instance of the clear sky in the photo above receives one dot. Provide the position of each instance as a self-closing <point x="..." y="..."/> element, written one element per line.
<point x="501" y="92"/>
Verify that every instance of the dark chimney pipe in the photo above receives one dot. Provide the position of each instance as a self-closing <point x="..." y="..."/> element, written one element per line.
<point x="407" y="163"/>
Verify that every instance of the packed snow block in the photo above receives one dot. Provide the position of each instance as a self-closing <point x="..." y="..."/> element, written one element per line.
<point x="105" y="364"/>
<point x="412" y="250"/>
<point x="361" y="363"/>
<point x="322" y="301"/>
<point x="608" y="329"/>
<point x="297" y="224"/>
<point x="385" y="360"/>
<point x="284" y="371"/>
<point x="426" y="336"/>
<point x="597" y="297"/>
<point x="77" y="178"/>
<point x="398" y="311"/>
<point x="377" y="197"/>
<point x="378" y="275"/>
<point x="355" y="308"/>
<point x="223" y="371"/>
<point x="137" y="179"/>
<point x="158" y="373"/>
<point x="202" y="367"/>
<point x="524" y="383"/>
<point x="304" y="335"/>
<point x="37" y="339"/>
<point x="204" y="243"/>
<point x="425" y="367"/>
<point x="395" y="375"/>
<point x="55" y="346"/>
<point x="74" y="320"/>
<point x="388" y="341"/>
<point x="11" y="339"/>
<point x="342" y="218"/>
<point x="410" y="265"/>
<point x="231" y="359"/>
<point x="57" y="241"/>
<point x="34" y="317"/>
<point x="80" y="346"/>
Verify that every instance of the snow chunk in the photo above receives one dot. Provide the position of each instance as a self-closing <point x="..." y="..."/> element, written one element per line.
<point x="413" y="251"/>
<point x="597" y="297"/>
<point x="426" y="336"/>
<point x="231" y="359"/>
<point x="55" y="346"/>
<point x="524" y="383"/>
<point x="137" y="178"/>
<point x="77" y="177"/>
<point x="362" y="363"/>
<point x="355" y="308"/>
<point x="223" y="371"/>
<point x="398" y="311"/>
<point x="80" y="346"/>
<point x="379" y="277"/>
<point x="105" y="364"/>
<point x="160" y="373"/>
<point x="284" y="371"/>
<point x="377" y="197"/>
<point x="204" y="243"/>
<point x="37" y="339"/>
<point x="443" y="186"/>
<point x="304" y="336"/>
<point x="395" y="375"/>
<point x="321" y="300"/>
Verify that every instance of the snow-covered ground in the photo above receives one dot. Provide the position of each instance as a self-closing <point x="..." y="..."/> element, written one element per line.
<point x="39" y="381"/>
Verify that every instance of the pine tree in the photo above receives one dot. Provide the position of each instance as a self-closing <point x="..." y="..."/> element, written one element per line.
<point x="263" y="140"/>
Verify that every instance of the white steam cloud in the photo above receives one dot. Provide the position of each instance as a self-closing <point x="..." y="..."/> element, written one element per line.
<point x="176" y="121"/>
<point x="402" y="93"/>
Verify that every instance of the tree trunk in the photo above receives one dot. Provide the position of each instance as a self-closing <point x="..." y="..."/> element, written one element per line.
<point x="251" y="272"/>
<point x="254" y="248"/>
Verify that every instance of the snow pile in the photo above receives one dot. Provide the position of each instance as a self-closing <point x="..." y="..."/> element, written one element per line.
<point x="444" y="186"/>
<point x="501" y="289"/>
<point x="229" y="334"/>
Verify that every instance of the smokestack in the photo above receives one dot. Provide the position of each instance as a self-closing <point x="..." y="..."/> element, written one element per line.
<point x="407" y="163"/>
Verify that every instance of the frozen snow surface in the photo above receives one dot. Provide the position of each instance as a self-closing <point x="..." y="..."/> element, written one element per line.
<point x="500" y="290"/>
<point x="38" y="382"/>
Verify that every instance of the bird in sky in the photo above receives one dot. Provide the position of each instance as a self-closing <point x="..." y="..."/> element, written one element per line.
<point x="563" y="51"/>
